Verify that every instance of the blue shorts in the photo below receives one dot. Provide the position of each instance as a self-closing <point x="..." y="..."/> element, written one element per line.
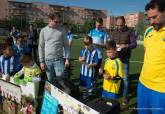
<point x="109" y="95"/>
<point x="150" y="101"/>
<point x="86" y="81"/>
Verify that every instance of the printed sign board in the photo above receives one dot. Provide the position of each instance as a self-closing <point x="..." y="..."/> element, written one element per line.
<point x="10" y="91"/>
<point x="68" y="104"/>
<point x="50" y="104"/>
<point x="18" y="98"/>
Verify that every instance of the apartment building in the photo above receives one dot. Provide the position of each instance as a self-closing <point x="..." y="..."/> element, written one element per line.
<point x="110" y="22"/>
<point x="133" y="18"/>
<point x="40" y="10"/>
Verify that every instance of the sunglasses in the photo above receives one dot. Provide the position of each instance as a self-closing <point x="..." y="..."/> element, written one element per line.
<point x="153" y="17"/>
<point x="56" y="22"/>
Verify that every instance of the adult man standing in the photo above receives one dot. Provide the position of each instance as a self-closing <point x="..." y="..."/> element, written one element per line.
<point x="32" y="41"/>
<point x="99" y="38"/>
<point x="51" y="43"/>
<point x="151" y="86"/>
<point x="125" y="41"/>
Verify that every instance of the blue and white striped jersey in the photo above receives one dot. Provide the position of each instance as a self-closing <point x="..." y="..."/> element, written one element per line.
<point x="70" y="36"/>
<point x="19" y="50"/>
<point x="91" y="58"/>
<point x="9" y="65"/>
<point x="98" y="36"/>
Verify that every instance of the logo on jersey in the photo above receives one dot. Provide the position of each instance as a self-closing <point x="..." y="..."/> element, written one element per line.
<point x="100" y="35"/>
<point x="113" y="67"/>
<point x="164" y="39"/>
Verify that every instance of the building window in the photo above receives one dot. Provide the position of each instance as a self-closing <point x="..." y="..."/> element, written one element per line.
<point x="11" y="10"/>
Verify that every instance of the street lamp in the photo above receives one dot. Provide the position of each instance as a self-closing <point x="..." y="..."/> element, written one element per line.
<point x="112" y="21"/>
<point x="63" y="14"/>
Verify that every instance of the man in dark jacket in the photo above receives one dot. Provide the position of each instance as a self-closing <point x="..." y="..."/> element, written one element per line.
<point x="126" y="40"/>
<point x="32" y="41"/>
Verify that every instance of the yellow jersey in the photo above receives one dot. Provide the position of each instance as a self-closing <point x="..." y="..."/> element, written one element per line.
<point x="113" y="68"/>
<point x="153" y="70"/>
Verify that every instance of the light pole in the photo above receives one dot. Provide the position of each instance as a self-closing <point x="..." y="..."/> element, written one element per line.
<point x="63" y="14"/>
<point x="21" y="22"/>
<point x="112" y="21"/>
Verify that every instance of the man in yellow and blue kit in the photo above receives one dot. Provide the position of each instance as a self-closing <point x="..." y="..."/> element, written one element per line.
<point x="151" y="87"/>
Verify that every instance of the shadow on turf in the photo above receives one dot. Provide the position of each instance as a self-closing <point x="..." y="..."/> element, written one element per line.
<point x="133" y="82"/>
<point x="130" y="108"/>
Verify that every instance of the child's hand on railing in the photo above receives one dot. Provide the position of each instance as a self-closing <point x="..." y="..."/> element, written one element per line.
<point x="8" y="78"/>
<point x="36" y="79"/>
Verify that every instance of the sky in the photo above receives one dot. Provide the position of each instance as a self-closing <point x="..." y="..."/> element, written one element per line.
<point x="114" y="7"/>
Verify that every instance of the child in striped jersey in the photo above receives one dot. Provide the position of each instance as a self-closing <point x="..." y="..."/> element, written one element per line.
<point x="88" y="59"/>
<point x="8" y="63"/>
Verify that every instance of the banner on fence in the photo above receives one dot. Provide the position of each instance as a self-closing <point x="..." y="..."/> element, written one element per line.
<point x="18" y="98"/>
<point x="50" y="104"/>
<point x="10" y="91"/>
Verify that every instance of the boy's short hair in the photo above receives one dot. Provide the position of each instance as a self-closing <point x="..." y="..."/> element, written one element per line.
<point x="9" y="41"/>
<point x="99" y="20"/>
<point x="53" y="16"/>
<point x="20" y="36"/>
<point x="155" y="4"/>
<point x="6" y="46"/>
<point x="110" y="44"/>
<point x="27" y="57"/>
<point x="88" y="38"/>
